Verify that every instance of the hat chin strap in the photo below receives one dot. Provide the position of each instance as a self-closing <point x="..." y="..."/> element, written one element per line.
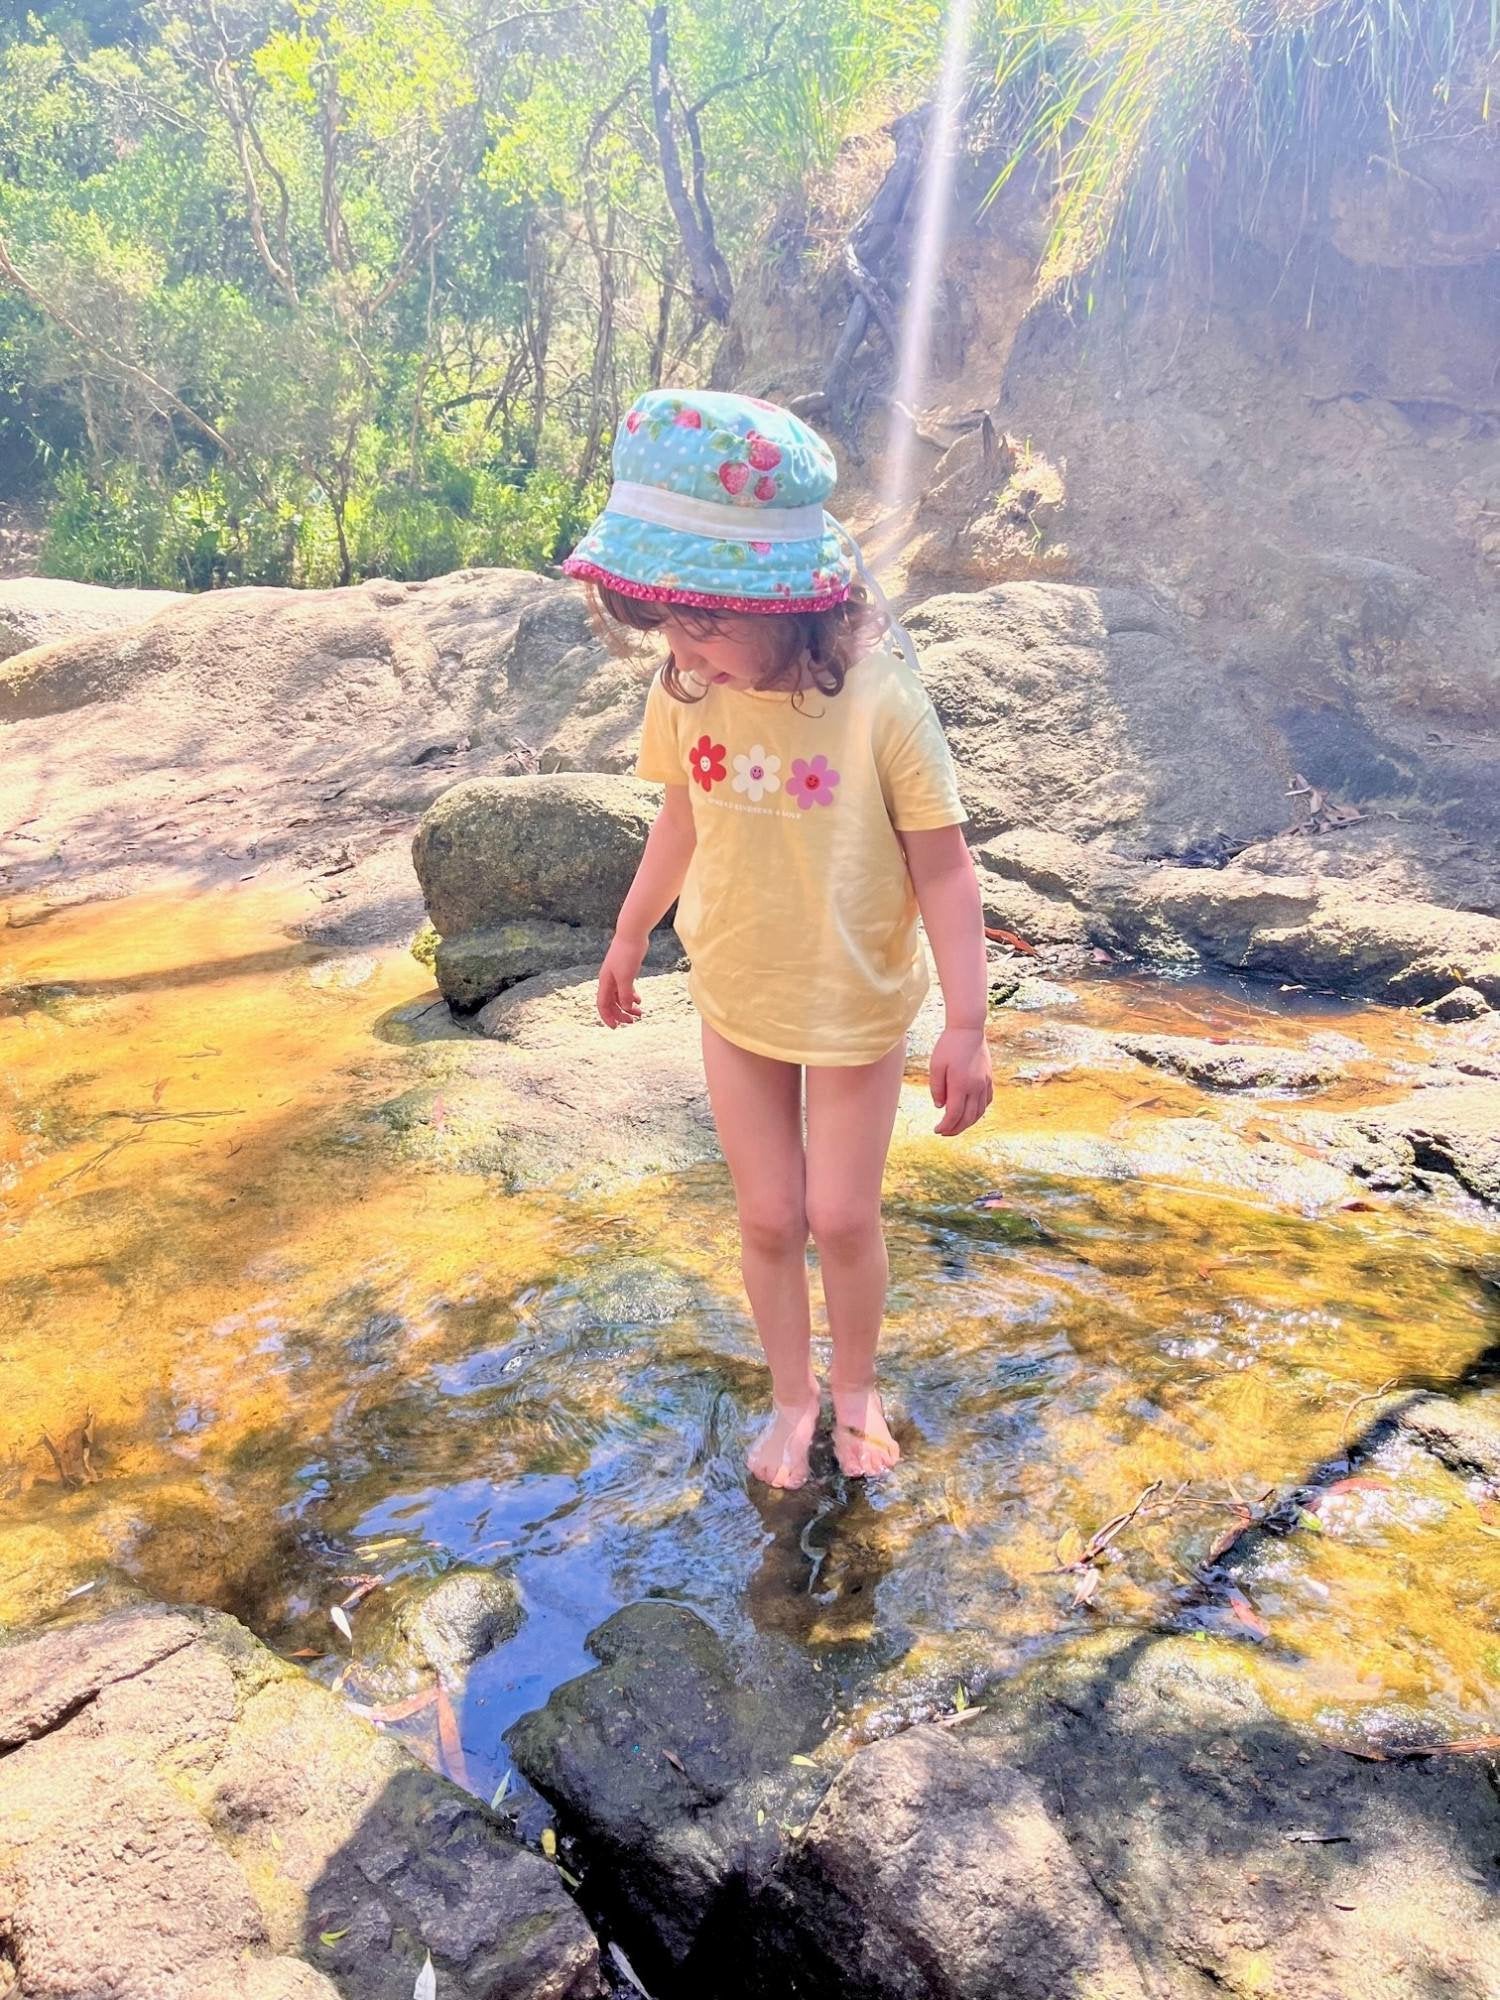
<point x="898" y="631"/>
<point x="691" y="516"/>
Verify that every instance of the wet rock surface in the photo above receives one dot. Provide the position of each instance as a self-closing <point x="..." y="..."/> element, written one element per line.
<point x="244" y="1834"/>
<point x="1451" y="1131"/>
<point x="440" y="1625"/>
<point x="1316" y="930"/>
<point x="1231" y="1065"/>
<point x="676" y="1762"/>
<point x="1132" y="1818"/>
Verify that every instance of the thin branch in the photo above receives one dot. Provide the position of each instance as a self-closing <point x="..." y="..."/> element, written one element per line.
<point x="157" y="391"/>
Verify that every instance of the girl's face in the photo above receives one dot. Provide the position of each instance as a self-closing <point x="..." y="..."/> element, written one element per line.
<point x="737" y="654"/>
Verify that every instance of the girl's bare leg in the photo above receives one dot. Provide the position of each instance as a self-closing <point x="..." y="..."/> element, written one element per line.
<point x="757" y="1107"/>
<point x="850" y="1115"/>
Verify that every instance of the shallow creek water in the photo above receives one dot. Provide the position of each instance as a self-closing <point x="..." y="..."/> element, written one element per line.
<point x="250" y="1359"/>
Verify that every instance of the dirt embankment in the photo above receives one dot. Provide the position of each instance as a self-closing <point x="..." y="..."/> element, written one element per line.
<point x="1292" y="463"/>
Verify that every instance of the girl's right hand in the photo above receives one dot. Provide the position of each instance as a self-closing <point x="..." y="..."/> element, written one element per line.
<point x="618" y="1002"/>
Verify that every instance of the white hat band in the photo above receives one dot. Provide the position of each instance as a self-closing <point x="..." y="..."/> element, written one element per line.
<point x="712" y="517"/>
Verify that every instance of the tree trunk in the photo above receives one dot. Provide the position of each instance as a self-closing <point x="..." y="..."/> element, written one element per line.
<point x="712" y="287"/>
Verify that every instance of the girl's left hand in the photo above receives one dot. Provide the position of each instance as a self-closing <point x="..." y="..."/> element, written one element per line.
<point x="961" y="1079"/>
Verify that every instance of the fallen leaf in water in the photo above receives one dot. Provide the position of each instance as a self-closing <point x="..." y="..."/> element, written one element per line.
<point x="340" y="1619"/>
<point x="1245" y="1613"/>
<point x="397" y="1711"/>
<point x="627" y="1970"/>
<point x="1359" y="1483"/>
<point x="549" y="1843"/>
<point x="449" y="1739"/>
<point x="675" y="1761"/>
<point x="961" y="1699"/>
<point x="332" y="1937"/>
<point x="305" y="1653"/>
<point x="810" y="1762"/>
<point x="426" y="1986"/>
<point x="1358" y="1207"/>
<point x="504" y="1786"/>
<point x="760" y="1815"/>
<point x="1069" y="1548"/>
<point x="1309" y="1520"/>
<point x="958" y="1715"/>
<point x="1010" y="938"/>
<point x="990" y="1201"/>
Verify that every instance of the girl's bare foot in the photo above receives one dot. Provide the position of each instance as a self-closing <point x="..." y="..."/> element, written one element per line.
<point x="862" y="1441"/>
<point x="779" y="1454"/>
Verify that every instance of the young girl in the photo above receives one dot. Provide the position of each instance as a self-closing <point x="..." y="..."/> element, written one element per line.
<point x="811" y="813"/>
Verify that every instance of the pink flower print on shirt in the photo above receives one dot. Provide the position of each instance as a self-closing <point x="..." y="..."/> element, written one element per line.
<point x="811" y="782"/>
<point x="756" y="773"/>
<point x="734" y="476"/>
<point x="707" y="760"/>
<point x="764" y="455"/>
<point x="761" y="548"/>
<point x="765" y="488"/>
<point x="688" y="420"/>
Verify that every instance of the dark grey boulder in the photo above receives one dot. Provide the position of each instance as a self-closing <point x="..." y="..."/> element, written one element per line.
<point x="1463" y="1003"/>
<point x="673" y="1765"/>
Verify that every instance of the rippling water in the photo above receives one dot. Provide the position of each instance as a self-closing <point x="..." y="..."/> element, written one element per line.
<point x="252" y="1360"/>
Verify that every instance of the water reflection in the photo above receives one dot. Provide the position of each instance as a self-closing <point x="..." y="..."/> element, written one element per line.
<point x="310" y="1369"/>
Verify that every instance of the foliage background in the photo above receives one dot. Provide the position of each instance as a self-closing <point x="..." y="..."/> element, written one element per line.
<point x="299" y="291"/>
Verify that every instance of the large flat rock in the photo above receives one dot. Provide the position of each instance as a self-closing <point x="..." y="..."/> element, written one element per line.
<point x="186" y="1818"/>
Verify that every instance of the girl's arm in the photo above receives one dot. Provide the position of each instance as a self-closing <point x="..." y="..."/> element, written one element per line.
<point x="942" y="873"/>
<point x="658" y="880"/>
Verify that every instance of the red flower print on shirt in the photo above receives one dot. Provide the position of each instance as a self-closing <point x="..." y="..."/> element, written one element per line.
<point x="707" y="760"/>
<point x="812" y="783"/>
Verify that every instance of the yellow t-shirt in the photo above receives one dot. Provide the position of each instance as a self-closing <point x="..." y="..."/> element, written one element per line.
<point x="798" y="912"/>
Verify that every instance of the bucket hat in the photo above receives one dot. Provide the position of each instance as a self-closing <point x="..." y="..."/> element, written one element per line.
<point x="717" y="501"/>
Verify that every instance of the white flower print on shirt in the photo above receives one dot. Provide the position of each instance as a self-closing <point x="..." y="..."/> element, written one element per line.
<point x="756" y="773"/>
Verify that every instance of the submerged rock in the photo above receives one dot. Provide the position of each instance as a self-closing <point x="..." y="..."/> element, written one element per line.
<point x="1231" y="1065"/>
<point x="186" y="1815"/>
<point x="420" y="1626"/>
<point x="1463" y="1431"/>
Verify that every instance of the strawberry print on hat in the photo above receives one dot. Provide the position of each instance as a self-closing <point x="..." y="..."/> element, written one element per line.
<point x="733" y="452"/>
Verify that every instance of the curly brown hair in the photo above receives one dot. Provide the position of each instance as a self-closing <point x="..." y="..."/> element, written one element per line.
<point x="828" y="641"/>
